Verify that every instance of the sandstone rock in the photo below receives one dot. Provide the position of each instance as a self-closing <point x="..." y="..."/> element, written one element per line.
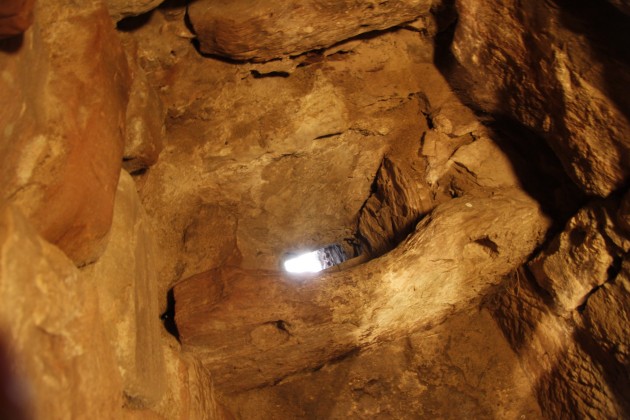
<point x="223" y="314"/>
<point x="487" y="163"/>
<point x="144" y="121"/>
<point x="209" y="239"/>
<point x="607" y="319"/>
<point x="15" y="17"/>
<point x="263" y="30"/>
<point x="63" y="97"/>
<point x="580" y="258"/>
<point x="462" y="368"/>
<point x="572" y="371"/>
<point x="391" y="212"/>
<point x="190" y="393"/>
<point x="51" y="317"/>
<point x="126" y="281"/>
<point x="522" y="68"/>
<point x="120" y="9"/>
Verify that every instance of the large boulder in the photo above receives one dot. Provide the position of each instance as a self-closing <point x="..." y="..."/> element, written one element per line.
<point x="145" y="119"/>
<point x="263" y="30"/>
<point x="556" y="68"/>
<point x="457" y="252"/>
<point x="120" y="9"/>
<point x="51" y="318"/>
<point x="63" y="99"/>
<point x="126" y="281"/>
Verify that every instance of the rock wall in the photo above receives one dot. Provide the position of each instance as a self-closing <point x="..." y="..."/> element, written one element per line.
<point x="55" y="117"/>
<point x="78" y="278"/>
<point x="556" y="67"/>
<point x="135" y="161"/>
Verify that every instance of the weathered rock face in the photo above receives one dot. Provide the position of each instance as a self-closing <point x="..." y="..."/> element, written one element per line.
<point x="120" y="9"/>
<point x="190" y="393"/>
<point x="126" y="282"/>
<point x="556" y="67"/>
<point x="460" y="368"/>
<point x="144" y="119"/>
<point x="332" y="130"/>
<point x="576" y="355"/>
<point x="63" y="125"/>
<point x="263" y="30"/>
<point x="247" y="343"/>
<point x="580" y="259"/>
<point x="51" y="316"/>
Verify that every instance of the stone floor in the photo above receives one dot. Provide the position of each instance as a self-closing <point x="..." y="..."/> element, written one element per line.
<point x="461" y="369"/>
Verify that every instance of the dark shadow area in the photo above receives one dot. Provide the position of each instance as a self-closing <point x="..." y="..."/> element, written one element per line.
<point x="12" y="45"/>
<point x="259" y="75"/>
<point x="601" y="37"/>
<point x="168" y="317"/>
<point x="607" y="31"/>
<point x="197" y="45"/>
<point x="539" y="170"/>
<point x="536" y="164"/>
<point x="133" y="23"/>
<point x="175" y="4"/>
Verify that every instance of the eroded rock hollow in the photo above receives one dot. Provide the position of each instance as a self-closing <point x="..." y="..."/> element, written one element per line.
<point x="458" y="169"/>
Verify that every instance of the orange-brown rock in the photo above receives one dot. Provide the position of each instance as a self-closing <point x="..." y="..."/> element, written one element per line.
<point x="126" y="282"/>
<point x="456" y="253"/>
<point x="262" y="30"/>
<point x="190" y="390"/>
<point x="120" y="9"/>
<point x="465" y="361"/>
<point x="557" y="68"/>
<point x="144" y="120"/>
<point x="63" y="97"/>
<point x="15" y="17"/>
<point x="51" y="317"/>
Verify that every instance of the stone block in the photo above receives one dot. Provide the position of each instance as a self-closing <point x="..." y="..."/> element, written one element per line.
<point x="126" y="281"/>
<point x="263" y="30"/>
<point x="120" y="9"/>
<point x="556" y="70"/>
<point x="254" y="327"/>
<point x="63" y="98"/>
<point x="144" y="121"/>
<point x="50" y="316"/>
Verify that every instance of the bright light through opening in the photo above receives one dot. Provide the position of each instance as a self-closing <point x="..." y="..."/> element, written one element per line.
<point x="305" y="263"/>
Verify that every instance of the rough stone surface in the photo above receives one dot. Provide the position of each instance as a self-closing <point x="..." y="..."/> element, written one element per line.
<point x="62" y="114"/>
<point x="606" y="321"/>
<point x="190" y="393"/>
<point x="574" y="263"/>
<point x="362" y="142"/>
<point x="394" y="207"/>
<point x="126" y="282"/>
<point x="295" y="163"/>
<point x="120" y="9"/>
<point x="556" y="67"/>
<point x="144" y="120"/>
<point x="51" y="317"/>
<point x="224" y="316"/>
<point x="579" y="364"/>
<point x="462" y="368"/>
<point x="15" y="17"/>
<point x="263" y="30"/>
